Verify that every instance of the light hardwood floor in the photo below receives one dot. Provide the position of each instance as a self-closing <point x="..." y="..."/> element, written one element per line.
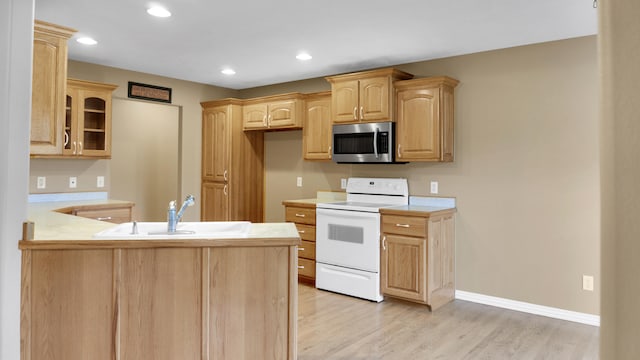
<point x="333" y="326"/>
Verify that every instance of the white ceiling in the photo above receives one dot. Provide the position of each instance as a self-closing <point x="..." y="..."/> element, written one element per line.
<point x="260" y="38"/>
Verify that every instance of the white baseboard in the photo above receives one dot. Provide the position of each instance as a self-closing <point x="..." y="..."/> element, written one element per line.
<point x="529" y="308"/>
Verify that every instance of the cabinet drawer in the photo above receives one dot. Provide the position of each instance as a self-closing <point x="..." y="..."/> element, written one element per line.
<point x="300" y="215"/>
<point x="307" y="268"/>
<point x="307" y="232"/>
<point x="116" y="215"/>
<point x="307" y="250"/>
<point x="404" y="225"/>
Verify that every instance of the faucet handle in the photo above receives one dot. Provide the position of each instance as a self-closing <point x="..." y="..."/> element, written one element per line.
<point x="172" y="205"/>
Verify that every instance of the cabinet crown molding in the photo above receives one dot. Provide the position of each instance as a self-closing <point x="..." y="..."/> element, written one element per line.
<point x="49" y="28"/>
<point x="426" y="82"/>
<point x="392" y="72"/>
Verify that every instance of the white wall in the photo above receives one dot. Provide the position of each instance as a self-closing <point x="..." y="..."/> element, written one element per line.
<point x="16" y="29"/>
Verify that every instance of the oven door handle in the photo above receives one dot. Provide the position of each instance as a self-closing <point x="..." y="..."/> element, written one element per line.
<point x="375" y="143"/>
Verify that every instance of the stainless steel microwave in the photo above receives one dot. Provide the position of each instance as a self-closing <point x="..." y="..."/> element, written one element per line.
<point x="364" y="143"/>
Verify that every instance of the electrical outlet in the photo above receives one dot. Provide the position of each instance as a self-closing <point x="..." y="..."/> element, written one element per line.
<point x="73" y="182"/>
<point x="42" y="182"/>
<point x="299" y="181"/>
<point x="587" y="282"/>
<point x="100" y="182"/>
<point x="434" y="187"/>
<point x="343" y="184"/>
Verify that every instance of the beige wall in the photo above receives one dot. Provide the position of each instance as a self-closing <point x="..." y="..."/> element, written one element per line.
<point x="525" y="174"/>
<point x="526" y="171"/>
<point x="619" y="51"/>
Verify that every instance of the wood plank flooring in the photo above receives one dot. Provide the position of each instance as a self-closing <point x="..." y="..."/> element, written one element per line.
<point x="333" y="326"/>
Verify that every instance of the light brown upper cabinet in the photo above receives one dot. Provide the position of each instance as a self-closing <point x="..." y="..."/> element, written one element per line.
<point x="424" y="128"/>
<point x="364" y="96"/>
<point x="273" y="112"/>
<point x="316" y="132"/>
<point x="87" y="129"/>
<point x="48" y="87"/>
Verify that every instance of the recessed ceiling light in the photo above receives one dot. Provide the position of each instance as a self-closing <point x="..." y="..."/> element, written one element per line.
<point x="303" y="56"/>
<point x="158" y="11"/>
<point x="228" y="71"/>
<point x="86" y="41"/>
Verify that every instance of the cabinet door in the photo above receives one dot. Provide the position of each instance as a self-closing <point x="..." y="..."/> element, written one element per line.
<point x="254" y="116"/>
<point x="283" y="114"/>
<point x="403" y="269"/>
<point x="418" y="125"/>
<point x="344" y="101"/>
<point x="70" y="145"/>
<point x="48" y="94"/>
<point x="374" y="99"/>
<point x="216" y="130"/>
<point x="316" y="133"/>
<point x="94" y="123"/>
<point x="215" y="201"/>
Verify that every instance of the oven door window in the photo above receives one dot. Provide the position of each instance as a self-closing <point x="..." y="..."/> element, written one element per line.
<point x="347" y="233"/>
<point x="348" y="238"/>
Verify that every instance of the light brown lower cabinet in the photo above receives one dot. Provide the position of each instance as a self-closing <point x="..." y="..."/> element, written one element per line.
<point x="304" y="216"/>
<point x="159" y="303"/>
<point x="116" y="213"/>
<point x="418" y="256"/>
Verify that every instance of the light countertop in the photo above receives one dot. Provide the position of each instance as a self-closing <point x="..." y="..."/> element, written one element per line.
<point x="53" y="229"/>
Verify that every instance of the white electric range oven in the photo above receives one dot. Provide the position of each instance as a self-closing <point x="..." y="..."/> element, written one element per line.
<point x="348" y="236"/>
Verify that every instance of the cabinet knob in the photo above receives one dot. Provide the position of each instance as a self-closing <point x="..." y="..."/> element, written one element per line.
<point x="361" y="112"/>
<point x="355" y="113"/>
<point x="384" y="243"/>
<point x="300" y="266"/>
<point x="300" y="215"/>
<point x="300" y="249"/>
<point x="402" y="225"/>
<point x="300" y="231"/>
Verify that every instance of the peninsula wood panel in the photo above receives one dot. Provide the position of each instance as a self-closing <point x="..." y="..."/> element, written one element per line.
<point x="159" y="302"/>
<point x="249" y="303"/>
<point x="68" y="302"/>
<point x="161" y="309"/>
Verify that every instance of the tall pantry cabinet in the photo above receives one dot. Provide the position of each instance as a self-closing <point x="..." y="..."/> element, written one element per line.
<point x="232" y="165"/>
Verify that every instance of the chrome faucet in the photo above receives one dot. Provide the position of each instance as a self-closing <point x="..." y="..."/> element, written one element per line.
<point x="173" y="218"/>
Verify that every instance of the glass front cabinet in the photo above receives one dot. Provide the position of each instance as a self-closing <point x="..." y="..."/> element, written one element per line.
<point x="87" y="130"/>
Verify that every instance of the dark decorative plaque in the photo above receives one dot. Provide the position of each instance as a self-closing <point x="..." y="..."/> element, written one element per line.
<point x="149" y="92"/>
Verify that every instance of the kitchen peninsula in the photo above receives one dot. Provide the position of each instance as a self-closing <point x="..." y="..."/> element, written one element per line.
<point x="84" y="298"/>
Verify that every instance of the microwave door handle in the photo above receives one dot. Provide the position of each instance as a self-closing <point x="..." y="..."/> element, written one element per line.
<point x="375" y="143"/>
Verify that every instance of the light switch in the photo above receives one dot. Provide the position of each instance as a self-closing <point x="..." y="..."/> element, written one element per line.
<point x="343" y="184"/>
<point x="434" y="187"/>
<point x="299" y="181"/>
<point x="73" y="182"/>
<point x="100" y="182"/>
